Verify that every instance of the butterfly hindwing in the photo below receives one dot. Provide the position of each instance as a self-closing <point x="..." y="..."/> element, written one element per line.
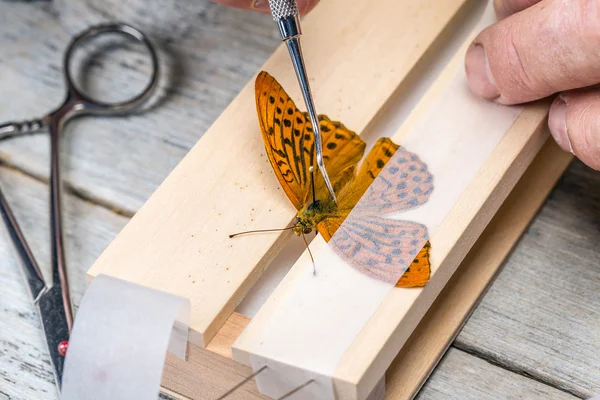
<point x="380" y="247"/>
<point x="419" y="271"/>
<point x="414" y="271"/>
<point x="289" y="142"/>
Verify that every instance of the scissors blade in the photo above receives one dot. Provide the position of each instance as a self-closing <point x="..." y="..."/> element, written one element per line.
<point x="31" y="271"/>
<point x="49" y="302"/>
<point x="56" y="329"/>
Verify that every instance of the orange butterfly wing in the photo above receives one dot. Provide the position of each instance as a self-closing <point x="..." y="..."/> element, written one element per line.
<point x="419" y="271"/>
<point x="351" y="193"/>
<point x="288" y="138"/>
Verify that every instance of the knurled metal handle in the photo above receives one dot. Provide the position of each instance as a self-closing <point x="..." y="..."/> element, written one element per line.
<point x="283" y="8"/>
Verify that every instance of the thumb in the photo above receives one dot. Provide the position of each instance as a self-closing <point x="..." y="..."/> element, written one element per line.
<point x="574" y="120"/>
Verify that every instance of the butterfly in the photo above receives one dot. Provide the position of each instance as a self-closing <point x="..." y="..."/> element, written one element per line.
<point x="383" y="248"/>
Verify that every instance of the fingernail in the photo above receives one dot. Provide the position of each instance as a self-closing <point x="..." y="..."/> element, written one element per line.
<point x="481" y="81"/>
<point x="261" y="5"/>
<point x="557" y="122"/>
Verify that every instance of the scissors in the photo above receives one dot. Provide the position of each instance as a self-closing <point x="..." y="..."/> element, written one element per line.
<point x="54" y="302"/>
<point x="285" y="14"/>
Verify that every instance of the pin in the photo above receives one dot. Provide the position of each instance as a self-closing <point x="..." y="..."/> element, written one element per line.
<point x="253" y="375"/>
<point x="239" y="385"/>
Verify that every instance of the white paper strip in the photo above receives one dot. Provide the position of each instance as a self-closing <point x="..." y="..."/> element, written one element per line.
<point x="120" y="339"/>
<point x="342" y="299"/>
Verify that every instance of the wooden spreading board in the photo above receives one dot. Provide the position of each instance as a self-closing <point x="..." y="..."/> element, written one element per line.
<point x="189" y="214"/>
<point x="178" y="240"/>
<point x="209" y="373"/>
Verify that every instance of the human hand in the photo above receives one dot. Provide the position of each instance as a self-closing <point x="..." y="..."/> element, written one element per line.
<point x="304" y="6"/>
<point x="542" y="47"/>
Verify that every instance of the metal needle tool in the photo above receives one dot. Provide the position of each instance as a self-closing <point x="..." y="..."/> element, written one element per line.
<point x="285" y="13"/>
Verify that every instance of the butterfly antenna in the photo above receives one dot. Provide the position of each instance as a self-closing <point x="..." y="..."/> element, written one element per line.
<point x="312" y="181"/>
<point x="311" y="256"/>
<point x="260" y="230"/>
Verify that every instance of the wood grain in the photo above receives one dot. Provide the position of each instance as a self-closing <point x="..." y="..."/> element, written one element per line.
<point x="203" y="69"/>
<point x="541" y="317"/>
<point x="462" y="377"/>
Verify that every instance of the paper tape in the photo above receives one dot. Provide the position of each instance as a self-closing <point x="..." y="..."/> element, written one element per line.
<point x="120" y="339"/>
<point x="305" y="339"/>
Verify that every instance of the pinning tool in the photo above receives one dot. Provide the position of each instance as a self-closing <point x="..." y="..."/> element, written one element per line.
<point x="285" y="14"/>
<point x="53" y="301"/>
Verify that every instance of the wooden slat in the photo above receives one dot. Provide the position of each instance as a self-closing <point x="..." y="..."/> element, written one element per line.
<point x="178" y="241"/>
<point x="461" y="376"/>
<point x="541" y="317"/>
<point x="454" y="304"/>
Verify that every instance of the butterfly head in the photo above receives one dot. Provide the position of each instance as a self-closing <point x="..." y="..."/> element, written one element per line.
<point x="308" y="218"/>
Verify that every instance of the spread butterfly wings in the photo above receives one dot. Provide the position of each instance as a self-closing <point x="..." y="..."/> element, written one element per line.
<point x="383" y="246"/>
<point x="289" y="142"/>
<point x="380" y="247"/>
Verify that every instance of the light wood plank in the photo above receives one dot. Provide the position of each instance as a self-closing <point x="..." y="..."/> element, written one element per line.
<point x="229" y="332"/>
<point x="225" y="184"/>
<point x="25" y="371"/>
<point x="460" y="376"/>
<point x="542" y="315"/>
<point x="452" y="307"/>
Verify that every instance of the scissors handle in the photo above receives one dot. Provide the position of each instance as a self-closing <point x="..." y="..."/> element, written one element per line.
<point x="59" y="263"/>
<point x="79" y="102"/>
<point x="14" y="128"/>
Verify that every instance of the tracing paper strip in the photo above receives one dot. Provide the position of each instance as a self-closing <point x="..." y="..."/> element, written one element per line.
<point x="120" y="340"/>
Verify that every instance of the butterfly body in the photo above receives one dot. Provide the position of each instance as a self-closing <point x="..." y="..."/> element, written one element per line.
<point x="383" y="248"/>
<point x="310" y="216"/>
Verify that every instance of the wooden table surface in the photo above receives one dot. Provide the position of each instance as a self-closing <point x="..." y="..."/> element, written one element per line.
<point x="536" y="333"/>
